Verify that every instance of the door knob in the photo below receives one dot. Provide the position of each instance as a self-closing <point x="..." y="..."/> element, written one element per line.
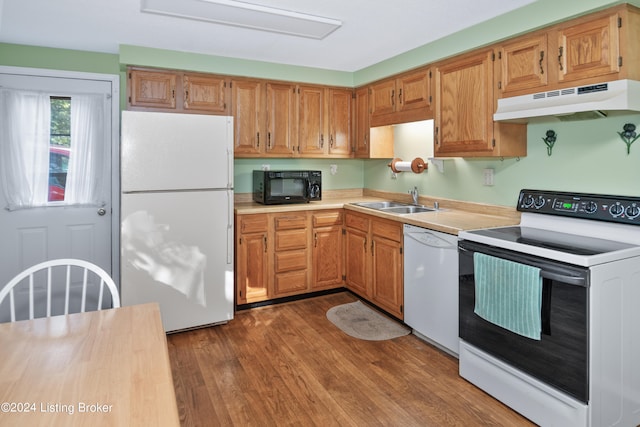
<point x="102" y="211"/>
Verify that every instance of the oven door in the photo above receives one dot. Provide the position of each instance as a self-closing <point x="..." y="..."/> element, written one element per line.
<point x="560" y="357"/>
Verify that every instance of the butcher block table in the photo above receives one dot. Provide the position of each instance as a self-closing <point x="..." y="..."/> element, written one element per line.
<point x="101" y="368"/>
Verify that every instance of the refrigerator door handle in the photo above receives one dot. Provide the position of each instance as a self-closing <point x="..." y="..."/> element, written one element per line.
<point x="230" y="236"/>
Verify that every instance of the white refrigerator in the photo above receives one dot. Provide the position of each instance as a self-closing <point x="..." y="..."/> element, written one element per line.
<point x="177" y="216"/>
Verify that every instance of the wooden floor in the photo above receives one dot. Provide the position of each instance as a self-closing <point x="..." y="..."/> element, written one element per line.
<point x="288" y="365"/>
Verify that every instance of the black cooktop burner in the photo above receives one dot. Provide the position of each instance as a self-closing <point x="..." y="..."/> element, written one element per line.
<point x="563" y="242"/>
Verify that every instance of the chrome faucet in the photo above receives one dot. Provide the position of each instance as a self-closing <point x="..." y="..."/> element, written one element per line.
<point x="414" y="195"/>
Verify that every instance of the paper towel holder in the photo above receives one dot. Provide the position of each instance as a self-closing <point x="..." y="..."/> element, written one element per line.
<point x="416" y="166"/>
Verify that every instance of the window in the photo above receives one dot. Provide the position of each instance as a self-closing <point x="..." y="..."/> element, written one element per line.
<point x="59" y="147"/>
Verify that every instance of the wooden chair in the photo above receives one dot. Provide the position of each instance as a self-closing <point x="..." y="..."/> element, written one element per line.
<point x="50" y="278"/>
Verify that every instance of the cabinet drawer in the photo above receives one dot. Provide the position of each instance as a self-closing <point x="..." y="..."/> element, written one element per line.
<point x="253" y="223"/>
<point x="326" y="219"/>
<point x="290" y="261"/>
<point x="292" y="282"/>
<point x="291" y="239"/>
<point x="358" y="222"/>
<point x="392" y="231"/>
<point x="289" y="222"/>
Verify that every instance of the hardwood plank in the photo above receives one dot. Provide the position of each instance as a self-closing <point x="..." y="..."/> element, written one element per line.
<point x="288" y="364"/>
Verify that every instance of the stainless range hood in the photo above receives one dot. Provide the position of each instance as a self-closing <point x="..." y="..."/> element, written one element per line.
<point x="575" y="103"/>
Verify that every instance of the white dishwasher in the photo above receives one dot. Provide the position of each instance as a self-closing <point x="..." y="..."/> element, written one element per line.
<point x="431" y="286"/>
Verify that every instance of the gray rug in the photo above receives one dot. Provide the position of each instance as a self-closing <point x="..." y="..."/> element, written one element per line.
<point x="360" y="321"/>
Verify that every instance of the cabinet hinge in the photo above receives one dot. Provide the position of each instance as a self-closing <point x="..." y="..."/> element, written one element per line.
<point x="230" y="84"/>
<point x="129" y="100"/>
<point x="240" y="294"/>
<point x="430" y="99"/>
<point x="344" y="277"/>
<point x="493" y="143"/>
<point x="500" y="85"/>
<point x="400" y="250"/>
<point x="344" y="232"/>
<point x="493" y="56"/>
<point x="429" y="73"/>
<point x="500" y="55"/>
<point x="129" y="75"/>
<point x="619" y="61"/>
<point x="619" y="22"/>
<point x="401" y="308"/>
<point x="353" y="95"/>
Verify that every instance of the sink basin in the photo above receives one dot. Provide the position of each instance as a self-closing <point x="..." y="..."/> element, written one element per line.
<point x="407" y="209"/>
<point x="395" y="207"/>
<point x="380" y="205"/>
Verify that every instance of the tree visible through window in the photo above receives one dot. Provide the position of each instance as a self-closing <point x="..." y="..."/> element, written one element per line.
<point x="59" y="147"/>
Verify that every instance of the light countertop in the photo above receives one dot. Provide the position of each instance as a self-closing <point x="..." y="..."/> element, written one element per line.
<point x="453" y="217"/>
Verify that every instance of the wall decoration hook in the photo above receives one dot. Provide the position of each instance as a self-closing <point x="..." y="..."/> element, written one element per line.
<point x="550" y="140"/>
<point x="628" y="135"/>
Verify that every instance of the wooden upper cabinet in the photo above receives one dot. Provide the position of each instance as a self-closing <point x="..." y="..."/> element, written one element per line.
<point x="282" y="118"/>
<point x="589" y="49"/>
<point x="339" y="116"/>
<point x="524" y="64"/>
<point x="414" y="91"/>
<point x="382" y="97"/>
<point x="464" y="106"/>
<point x="368" y="142"/>
<point x="401" y="99"/>
<point x="152" y="89"/>
<point x="465" y="103"/>
<point x="312" y="134"/>
<point x="247" y="109"/>
<point x="205" y="93"/>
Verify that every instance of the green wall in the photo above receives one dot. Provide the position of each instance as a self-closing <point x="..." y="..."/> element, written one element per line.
<point x="589" y="155"/>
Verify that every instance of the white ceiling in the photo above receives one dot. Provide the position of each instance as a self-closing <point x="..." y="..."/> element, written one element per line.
<point x="372" y="30"/>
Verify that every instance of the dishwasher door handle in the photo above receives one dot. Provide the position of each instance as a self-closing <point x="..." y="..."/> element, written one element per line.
<point x="433" y="240"/>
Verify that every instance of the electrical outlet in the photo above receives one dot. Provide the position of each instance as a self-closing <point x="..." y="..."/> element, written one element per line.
<point x="333" y="169"/>
<point x="488" y="176"/>
<point x="266" y="167"/>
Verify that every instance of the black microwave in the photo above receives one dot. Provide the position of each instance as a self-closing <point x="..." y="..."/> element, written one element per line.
<point x="279" y="187"/>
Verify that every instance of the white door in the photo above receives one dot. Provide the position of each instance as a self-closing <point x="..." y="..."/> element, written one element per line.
<point x="60" y="229"/>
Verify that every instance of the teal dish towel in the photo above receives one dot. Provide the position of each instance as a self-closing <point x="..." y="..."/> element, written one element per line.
<point x="508" y="294"/>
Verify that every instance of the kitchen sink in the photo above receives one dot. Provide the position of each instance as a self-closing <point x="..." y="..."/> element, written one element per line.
<point x="395" y="207"/>
<point x="408" y="209"/>
<point x="381" y="205"/>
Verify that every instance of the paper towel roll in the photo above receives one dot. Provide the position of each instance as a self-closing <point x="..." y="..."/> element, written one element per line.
<point x="416" y="166"/>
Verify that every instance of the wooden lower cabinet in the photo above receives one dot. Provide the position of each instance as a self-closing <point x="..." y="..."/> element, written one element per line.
<point x="327" y="249"/>
<point x="289" y="253"/>
<point x="251" y="258"/>
<point x="374" y="261"/>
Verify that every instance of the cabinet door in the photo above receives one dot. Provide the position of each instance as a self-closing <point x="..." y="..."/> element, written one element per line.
<point x="281" y="119"/>
<point x="414" y="91"/>
<point x="356" y="262"/>
<point x="524" y="64"/>
<point x="340" y="122"/>
<point x="589" y="49"/>
<point x="152" y="89"/>
<point x="205" y="93"/>
<point x="311" y="120"/>
<point x="464" y="106"/>
<point x="327" y="249"/>
<point x="249" y="136"/>
<point x="327" y="257"/>
<point x="382" y="97"/>
<point x="251" y="258"/>
<point x="361" y="132"/>
<point x="387" y="286"/>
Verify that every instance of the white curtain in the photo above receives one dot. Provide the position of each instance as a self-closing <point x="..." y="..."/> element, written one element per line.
<point x="86" y="162"/>
<point x="25" y="121"/>
<point x="24" y="147"/>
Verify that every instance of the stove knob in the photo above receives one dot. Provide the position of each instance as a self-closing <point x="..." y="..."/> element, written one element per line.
<point x="632" y="211"/>
<point x="591" y="207"/>
<point x="539" y="202"/>
<point x="616" y="210"/>
<point x="528" y="201"/>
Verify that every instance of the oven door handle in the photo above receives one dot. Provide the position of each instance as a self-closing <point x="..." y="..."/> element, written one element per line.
<point x="570" y="280"/>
